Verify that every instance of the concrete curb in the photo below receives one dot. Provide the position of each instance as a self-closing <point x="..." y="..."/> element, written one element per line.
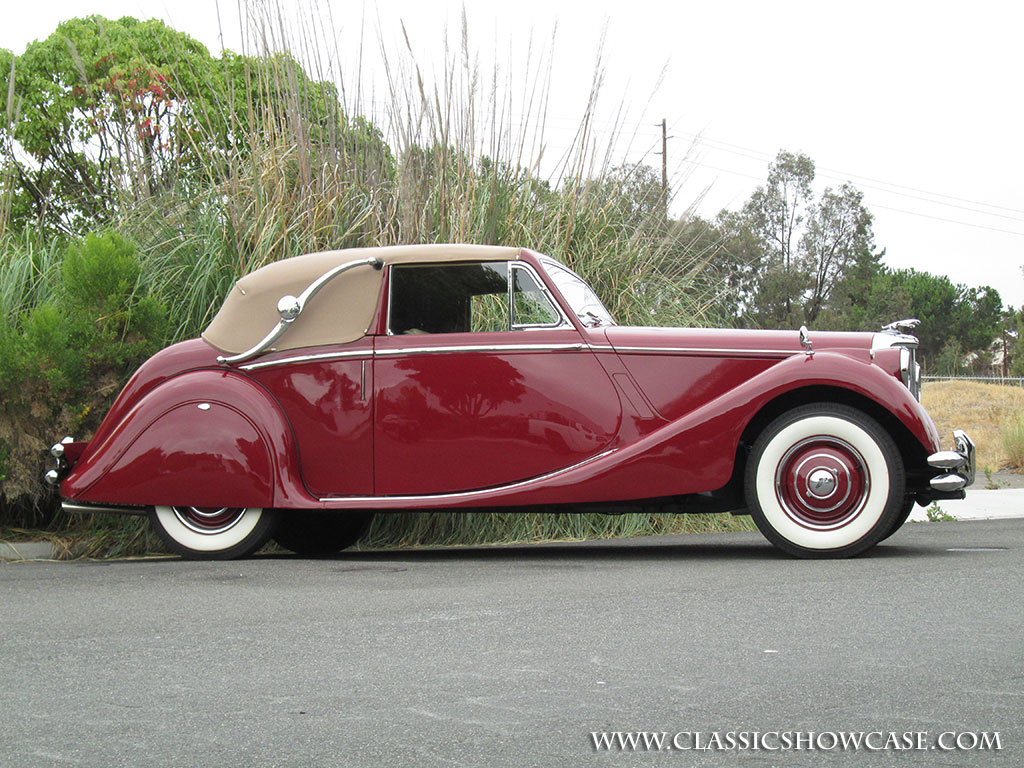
<point x="16" y="551"/>
<point x="1000" y="504"/>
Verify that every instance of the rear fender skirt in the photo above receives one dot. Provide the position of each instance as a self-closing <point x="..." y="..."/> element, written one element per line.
<point x="204" y="438"/>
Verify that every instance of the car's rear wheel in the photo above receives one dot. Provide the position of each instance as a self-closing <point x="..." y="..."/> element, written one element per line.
<point x="825" y="480"/>
<point x="213" y="533"/>
<point x="316" y="533"/>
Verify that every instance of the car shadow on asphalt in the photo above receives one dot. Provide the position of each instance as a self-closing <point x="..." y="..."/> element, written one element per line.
<point x="752" y="548"/>
<point x="749" y="547"/>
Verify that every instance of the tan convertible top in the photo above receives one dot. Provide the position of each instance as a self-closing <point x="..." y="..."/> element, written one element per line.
<point x="340" y="313"/>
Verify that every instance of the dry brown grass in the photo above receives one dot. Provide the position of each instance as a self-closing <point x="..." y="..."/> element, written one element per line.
<point x="982" y="410"/>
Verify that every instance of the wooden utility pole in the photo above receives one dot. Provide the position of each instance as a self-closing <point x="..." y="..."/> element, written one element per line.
<point x="664" y="167"/>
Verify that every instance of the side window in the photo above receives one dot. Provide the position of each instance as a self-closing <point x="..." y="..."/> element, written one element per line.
<point x="449" y="298"/>
<point x="466" y="298"/>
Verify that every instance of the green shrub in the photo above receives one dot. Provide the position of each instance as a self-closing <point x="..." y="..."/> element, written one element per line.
<point x="100" y="276"/>
<point x="12" y="361"/>
<point x="62" y="359"/>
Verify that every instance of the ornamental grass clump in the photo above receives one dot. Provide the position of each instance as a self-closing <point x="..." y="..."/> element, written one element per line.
<point x="1012" y="433"/>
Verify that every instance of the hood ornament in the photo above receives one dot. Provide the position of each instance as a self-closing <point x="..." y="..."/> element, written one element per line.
<point x="901" y="326"/>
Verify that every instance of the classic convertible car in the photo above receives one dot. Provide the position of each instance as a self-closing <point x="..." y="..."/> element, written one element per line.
<point x="335" y="385"/>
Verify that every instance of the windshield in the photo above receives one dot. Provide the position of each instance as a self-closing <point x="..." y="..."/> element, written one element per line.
<point x="581" y="297"/>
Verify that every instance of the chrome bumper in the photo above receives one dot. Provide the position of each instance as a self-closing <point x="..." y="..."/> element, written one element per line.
<point x="957" y="466"/>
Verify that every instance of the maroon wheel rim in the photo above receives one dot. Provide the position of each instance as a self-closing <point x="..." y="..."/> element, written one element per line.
<point x="209" y="520"/>
<point x="822" y="482"/>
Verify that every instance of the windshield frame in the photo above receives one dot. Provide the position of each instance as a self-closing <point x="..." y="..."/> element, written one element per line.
<point x="592" y="313"/>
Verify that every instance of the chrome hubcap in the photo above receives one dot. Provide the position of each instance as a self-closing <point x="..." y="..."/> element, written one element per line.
<point x="822" y="482"/>
<point x="209" y="520"/>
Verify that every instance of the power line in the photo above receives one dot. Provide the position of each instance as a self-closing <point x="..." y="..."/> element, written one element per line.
<point x="906" y="194"/>
<point x="884" y="207"/>
<point x="949" y="221"/>
<point x="834" y="173"/>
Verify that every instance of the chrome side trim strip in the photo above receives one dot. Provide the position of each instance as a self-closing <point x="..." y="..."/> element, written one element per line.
<point x="101" y="509"/>
<point x="471" y="494"/>
<point x="480" y="348"/>
<point x="365" y="353"/>
<point x="718" y="351"/>
<point x="573" y="347"/>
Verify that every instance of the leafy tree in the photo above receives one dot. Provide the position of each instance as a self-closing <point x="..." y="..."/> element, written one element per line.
<point x="1013" y="337"/>
<point x="955" y="320"/>
<point x="930" y="298"/>
<point x="775" y="214"/>
<point x="777" y="210"/>
<point x="838" y="238"/>
<point x="979" y="315"/>
<point x="100" y="109"/>
<point x="803" y="248"/>
<point x="105" y="112"/>
<point x="860" y="300"/>
<point x="738" y="263"/>
<point x="635" y="191"/>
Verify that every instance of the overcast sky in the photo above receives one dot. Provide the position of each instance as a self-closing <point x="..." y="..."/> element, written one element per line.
<point x="918" y="104"/>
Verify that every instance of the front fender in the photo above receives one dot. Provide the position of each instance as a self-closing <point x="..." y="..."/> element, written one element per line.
<point x="696" y="452"/>
<point x="834" y="369"/>
<point x="207" y="438"/>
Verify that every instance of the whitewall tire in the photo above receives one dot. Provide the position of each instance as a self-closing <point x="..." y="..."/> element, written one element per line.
<point x="825" y="480"/>
<point x="208" y="533"/>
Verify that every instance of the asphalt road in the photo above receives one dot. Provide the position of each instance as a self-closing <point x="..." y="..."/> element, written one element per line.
<point x="513" y="656"/>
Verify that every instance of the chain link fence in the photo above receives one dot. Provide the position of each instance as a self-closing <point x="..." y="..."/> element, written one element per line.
<point x="1009" y="381"/>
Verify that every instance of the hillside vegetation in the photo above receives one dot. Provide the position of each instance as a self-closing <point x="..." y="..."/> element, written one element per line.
<point x="989" y="413"/>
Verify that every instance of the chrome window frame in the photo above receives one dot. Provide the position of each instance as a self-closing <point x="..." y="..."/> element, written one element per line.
<point x="562" y="321"/>
<point x="545" y="291"/>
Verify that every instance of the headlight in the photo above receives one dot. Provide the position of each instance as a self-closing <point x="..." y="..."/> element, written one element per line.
<point x="894" y="335"/>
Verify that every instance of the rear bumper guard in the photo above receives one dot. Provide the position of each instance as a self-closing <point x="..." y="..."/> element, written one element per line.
<point x="55" y="475"/>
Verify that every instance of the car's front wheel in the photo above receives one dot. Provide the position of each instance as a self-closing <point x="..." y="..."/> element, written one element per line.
<point x="213" y="533"/>
<point x="825" y="480"/>
<point x="901" y="518"/>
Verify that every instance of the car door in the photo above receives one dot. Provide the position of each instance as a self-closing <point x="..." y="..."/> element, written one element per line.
<point x="482" y="382"/>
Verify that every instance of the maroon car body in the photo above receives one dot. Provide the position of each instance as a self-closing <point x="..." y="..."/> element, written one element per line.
<point x="522" y="398"/>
